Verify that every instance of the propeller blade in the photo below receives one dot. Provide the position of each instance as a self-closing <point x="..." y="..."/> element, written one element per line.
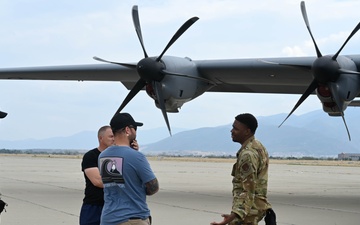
<point x="136" y="20"/>
<point x="350" y="36"/>
<point x="336" y="97"/>
<point x="138" y="86"/>
<point x="303" y="11"/>
<point x="347" y="129"/>
<point x="308" y="91"/>
<point x="131" y="66"/>
<point x="2" y="114"/>
<point x="160" y="99"/>
<point x="178" y="33"/>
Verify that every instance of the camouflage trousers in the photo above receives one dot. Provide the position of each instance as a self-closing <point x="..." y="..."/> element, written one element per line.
<point x="249" y="220"/>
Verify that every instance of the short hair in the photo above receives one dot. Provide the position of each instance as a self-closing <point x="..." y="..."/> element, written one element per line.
<point x="102" y="130"/>
<point x="249" y="120"/>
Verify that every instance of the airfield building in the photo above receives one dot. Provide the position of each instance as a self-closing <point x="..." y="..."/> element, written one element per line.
<point x="349" y="156"/>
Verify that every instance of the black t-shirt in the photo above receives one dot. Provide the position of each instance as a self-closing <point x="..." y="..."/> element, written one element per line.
<point x="93" y="195"/>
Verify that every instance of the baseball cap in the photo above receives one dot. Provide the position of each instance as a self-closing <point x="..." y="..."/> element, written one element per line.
<point x="122" y="120"/>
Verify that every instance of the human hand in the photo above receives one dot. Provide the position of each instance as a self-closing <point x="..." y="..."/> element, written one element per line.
<point x="134" y="144"/>
<point x="227" y="219"/>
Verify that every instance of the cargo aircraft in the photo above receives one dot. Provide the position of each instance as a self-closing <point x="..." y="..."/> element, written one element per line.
<point x="172" y="81"/>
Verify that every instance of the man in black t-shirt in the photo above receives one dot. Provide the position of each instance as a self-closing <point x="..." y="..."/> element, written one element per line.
<point x="94" y="195"/>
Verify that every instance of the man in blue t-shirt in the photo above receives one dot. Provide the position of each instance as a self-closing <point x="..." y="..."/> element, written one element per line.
<point x="126" y="175"/>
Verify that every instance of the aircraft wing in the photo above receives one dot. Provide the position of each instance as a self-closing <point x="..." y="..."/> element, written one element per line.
<point x="258" y="75"/>
<point x="172" y="81"/>
<point x="86" y="72"/>
<point x="229" y="75"/>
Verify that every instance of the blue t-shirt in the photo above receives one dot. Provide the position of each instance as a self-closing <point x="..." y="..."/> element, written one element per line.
<point x="124" y="172"/>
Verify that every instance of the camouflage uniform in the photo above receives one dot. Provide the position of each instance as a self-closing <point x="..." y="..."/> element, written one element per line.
<point x="250" y="181"/>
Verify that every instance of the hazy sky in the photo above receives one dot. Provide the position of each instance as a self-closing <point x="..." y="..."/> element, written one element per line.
<point x="41" y="33"/>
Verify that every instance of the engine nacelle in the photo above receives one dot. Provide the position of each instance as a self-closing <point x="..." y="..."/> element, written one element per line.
<point x="329" y="106"/>
<point x="177" y="91"/>
<point x="335" y="96"/>
<point x="182" y="86"/>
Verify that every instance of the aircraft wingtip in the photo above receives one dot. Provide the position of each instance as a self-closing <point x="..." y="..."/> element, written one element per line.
<point x="2" y="114"/>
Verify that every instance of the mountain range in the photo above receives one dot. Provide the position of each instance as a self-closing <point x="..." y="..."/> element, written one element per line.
<point x="312" y="134"/>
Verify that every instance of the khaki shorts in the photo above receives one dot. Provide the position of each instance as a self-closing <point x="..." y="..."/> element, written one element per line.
<point x="137" y="222"/>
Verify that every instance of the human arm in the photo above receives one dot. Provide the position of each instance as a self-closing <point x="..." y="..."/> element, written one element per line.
<point x="94" y="176"/>
<point x="147" y="175"/>
<point x="89" y="166"/>
<point x="152" y="187"/>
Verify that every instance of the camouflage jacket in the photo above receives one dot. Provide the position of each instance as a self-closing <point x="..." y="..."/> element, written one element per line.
<point x="250" y="180"/>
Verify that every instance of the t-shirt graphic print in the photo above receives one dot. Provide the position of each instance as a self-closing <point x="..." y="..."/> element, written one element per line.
<point x="111" y="170"/>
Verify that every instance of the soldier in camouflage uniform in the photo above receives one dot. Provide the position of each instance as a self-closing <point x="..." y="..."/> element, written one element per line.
<point x="250" y="174"/>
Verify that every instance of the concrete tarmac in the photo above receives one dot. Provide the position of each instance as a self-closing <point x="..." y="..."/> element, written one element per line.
<point x="48" y="190"/>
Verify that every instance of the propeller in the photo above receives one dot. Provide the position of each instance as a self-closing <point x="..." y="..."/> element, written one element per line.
<point x="326" y="71"/>
<point x="2" y="114"/>
<point x="151" y="69"/>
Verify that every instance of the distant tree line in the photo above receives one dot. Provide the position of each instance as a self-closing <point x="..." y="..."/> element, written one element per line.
<point x="304" y="158"/>
<point x="39" y="152"/>
<point x="74" y="152"/>
<point x="233" y="156"/>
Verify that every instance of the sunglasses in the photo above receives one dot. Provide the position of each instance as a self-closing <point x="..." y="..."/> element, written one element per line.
<point x="131" y="126"/>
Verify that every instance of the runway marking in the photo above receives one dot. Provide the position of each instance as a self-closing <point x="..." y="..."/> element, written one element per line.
<point x="193" y="192"/>
<point x="42" y="206"/>
<point x="315" y="207"/>
<point x="40" y="183"/>
<point x="36" y="204"/>
<point x="182" y="207"/>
